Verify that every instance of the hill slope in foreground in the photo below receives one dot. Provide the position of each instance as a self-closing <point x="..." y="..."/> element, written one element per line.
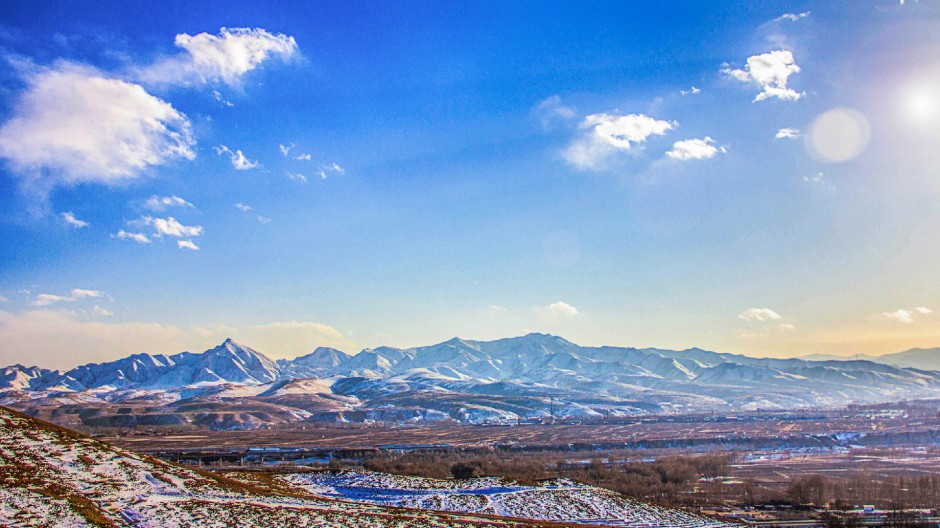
<point x="50" y="476"/>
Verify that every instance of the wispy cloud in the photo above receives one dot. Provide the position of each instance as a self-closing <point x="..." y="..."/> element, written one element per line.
<point x="333" y="168"/>
<point x="908" y="316"/>
<point x="162" y="203"/>
<point x="551" y="109"/>
<point x="557" y="309"/>
<point x="140" y="238"/>
<point x="70" y="219"/>
<point x="46" y="299"/>
<point x="187" y="244"/>
<point x="238" y="158"/>
<point x="792" y="17"/>
<point x="286" y="152"/>
<point x="296" y="176"/>
<point x="759" y="315"/>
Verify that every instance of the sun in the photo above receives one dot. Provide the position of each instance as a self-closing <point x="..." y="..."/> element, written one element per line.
<point x="920" y="103"/>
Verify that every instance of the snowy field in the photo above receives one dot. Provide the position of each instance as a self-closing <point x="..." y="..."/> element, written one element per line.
<point x="51" y="477"/>
<point x="558" y="500"/>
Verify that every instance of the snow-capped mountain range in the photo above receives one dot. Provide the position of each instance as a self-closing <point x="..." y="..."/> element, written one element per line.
<point x="471" y="381"/>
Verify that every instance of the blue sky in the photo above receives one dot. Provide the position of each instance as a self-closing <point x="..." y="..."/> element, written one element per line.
<point x="364" y="174"/>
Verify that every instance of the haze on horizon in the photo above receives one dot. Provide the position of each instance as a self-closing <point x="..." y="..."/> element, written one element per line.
<point x="758" y="179"/>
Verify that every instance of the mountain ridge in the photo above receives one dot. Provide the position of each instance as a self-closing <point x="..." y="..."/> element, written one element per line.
<point x="465" y="380"/>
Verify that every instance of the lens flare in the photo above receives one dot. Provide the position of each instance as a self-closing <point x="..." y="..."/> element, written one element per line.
<point x="838" y="135"/>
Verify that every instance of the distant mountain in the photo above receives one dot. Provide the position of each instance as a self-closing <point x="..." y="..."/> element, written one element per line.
<point x="233" y="386"/>
<point x="918" y="358"/>
<point x="229" y="362"/>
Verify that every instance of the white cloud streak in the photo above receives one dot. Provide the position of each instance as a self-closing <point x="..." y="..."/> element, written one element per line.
<point x="759" y="315"/>
<point x="908" y="316"/>
<point x="792" y="17"/>
<point x="46" y="299"/>
<point x="71" y="220"/>
<point x="140" y="238"/>
<point x="162" y="203"/>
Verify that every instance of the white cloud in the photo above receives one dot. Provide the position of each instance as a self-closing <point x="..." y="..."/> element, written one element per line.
<point x="771" y="72"/>
<point x="325" y="170"/>
<point x="285" y="151"/>
<point x="140" y="238"/>
<point x="264" y="220"/>
<point x="691" y="91"/>
<point x="792" y="17"/>
<point x="73" y="124"/>
<point x="45" y="299"/>
<point x="225" y="57"/>
<point x="786" y="326"/>
<point x="759" y="315"/>
<point x="693" y="149"/>
<point x="908" y="316"/>
<point x="72" y="221"/>
<point x="162" y="203"/>
<point x="788" y="133"/>
<point x="222" y="100"/>
<point x="170" y="226"/>
<point x="297" y="177"/>
<point x="187" y="244"/>
<point x="901" y="316"/>
<point x="558" y="309"/>
<point x="104" y="312"/>
<point x="606" y="134"/>
<point x="551" y="109"/>
<point x="242" y="207"/>
<point x="239" y="160"/>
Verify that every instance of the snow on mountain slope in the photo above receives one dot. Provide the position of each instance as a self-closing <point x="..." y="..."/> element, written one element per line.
<point x="558" y="500"/>
<point x="18" y="377"/>
<point x="617" y="381"/>
<point x="50" y="476"/>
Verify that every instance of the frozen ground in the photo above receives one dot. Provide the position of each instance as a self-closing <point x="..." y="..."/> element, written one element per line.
<point x="557" y="500"/>
<point x="52" y="477"/>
